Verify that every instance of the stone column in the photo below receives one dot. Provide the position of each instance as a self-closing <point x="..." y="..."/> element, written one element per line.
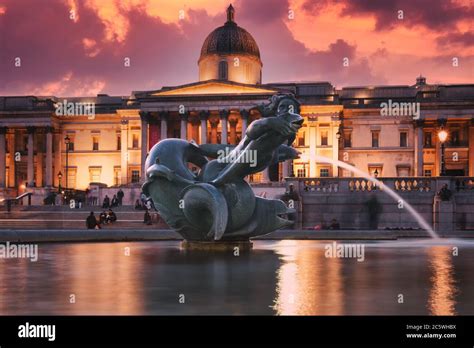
<point x="335" y="149"/>
<point x="233" y="130"/>
<point x="144" y="116"/>
<point x="11" y="161"/>
<point x="31" y="159"/>
<point x="214" y="123"/>
<point x="203" y="116"/>
<point x="195" y="130"/>
<point x="184" y="125"/>
<point x="244" y="115"/>
<point x="3" y="157"/>
<point x="312" y="149"/>
<point x="58" y="158"/>
<point x="419" y="147"/>
<point x="39" y="163"/>
<point x="49" y="157"/>
<point x="224" y="114"/>
<point x="164" y="124"/>
<point x="471" y="148"/>
<point x="124" y="152"/>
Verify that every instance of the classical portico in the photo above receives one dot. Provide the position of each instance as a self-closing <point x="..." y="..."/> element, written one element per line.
<point x="205" y="112"/>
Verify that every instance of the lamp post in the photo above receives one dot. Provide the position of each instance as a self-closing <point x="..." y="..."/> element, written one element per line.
<point x="304" y="158"/>
<point x="443" y="136"/>
<point x="67" y="141"/>
<point x="60" y="176"/>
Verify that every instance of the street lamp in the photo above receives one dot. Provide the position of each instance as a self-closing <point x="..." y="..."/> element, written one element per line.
<point x="67" y="141"/>
<point x="60" y="176"/>
<point x="443" y="136"/>
<point x="304" y="158"/>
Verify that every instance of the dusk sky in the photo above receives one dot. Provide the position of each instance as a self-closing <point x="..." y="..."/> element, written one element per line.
<point x="78" y="47"/>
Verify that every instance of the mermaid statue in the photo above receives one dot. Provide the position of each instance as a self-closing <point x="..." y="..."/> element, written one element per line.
<point x="216" y="203"/>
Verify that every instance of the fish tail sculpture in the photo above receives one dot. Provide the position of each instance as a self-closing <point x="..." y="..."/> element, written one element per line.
<point x="204" y="201"/>
<point x="217" y="203"/>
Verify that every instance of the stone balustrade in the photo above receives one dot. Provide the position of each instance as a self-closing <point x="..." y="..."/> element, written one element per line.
<point x="351" y="200"/>
<point x="397" y="184"/>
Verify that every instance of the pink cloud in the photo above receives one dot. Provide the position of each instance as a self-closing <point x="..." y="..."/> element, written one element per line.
<point x="86" y="54"/>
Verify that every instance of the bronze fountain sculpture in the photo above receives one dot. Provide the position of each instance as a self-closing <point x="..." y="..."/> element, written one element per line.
<point x="217" y="204"/>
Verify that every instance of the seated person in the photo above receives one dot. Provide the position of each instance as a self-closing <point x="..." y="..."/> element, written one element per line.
<point x="91" y="222"/>
<point x="111" y="217"/>
<point x="103" y="218"/>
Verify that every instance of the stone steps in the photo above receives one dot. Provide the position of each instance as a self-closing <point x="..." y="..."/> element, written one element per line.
<point x="72" y="224"/>
<point x="54" y="218"/>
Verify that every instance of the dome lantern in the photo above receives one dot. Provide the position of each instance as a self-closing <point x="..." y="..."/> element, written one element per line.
<point x="233" y="49"/>
<point x="230" y="13"/>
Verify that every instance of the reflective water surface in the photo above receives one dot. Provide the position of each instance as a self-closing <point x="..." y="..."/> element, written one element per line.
<point x="275" y="278"/>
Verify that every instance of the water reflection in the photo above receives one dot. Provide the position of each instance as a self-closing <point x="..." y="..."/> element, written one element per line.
<point x="308" y="283"/>
<point x="284" y="278"/>
<point x="73" y="279"/>
<point x="443" y="289"/>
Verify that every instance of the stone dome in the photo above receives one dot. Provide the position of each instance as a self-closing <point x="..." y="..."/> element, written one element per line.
<point x="230" y="39"/>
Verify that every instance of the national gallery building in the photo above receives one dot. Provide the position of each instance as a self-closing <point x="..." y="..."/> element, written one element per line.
<point x="388" y="131"/>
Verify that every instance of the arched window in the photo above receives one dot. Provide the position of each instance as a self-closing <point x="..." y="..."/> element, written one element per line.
<point x="223" y="70"/>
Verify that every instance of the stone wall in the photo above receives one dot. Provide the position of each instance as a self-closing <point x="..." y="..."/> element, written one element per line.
<point x="356" y="203"/>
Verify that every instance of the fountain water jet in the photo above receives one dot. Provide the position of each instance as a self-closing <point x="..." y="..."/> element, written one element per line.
<point x="385" y="188"/>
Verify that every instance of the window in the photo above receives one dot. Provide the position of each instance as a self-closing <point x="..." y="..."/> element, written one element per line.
<point x="403" y="171"/>
<point x="324" y="138"/>
<point x="375" y="139"/>
<point x="455" y="140"/>
<point x="324" y="172"/>
<point x="427" y="141"/>
<point x="71" y="178"/>
<point x="403" y="139"/>
<point x="117" y="173"/>
<point x="95" y="143"/>
<point x="301" y="173"/>
<point x="94" y="174"/>
<point x="427" y="172"/>
<point x="223" y="70"/>
<point x="135" y="176"/>
<point x="119" y="142"/>
<point x="301" y="141"/>
<point x="135" y="141"/>
<point x="71" y="143"/>
<point x="347" y="139"/>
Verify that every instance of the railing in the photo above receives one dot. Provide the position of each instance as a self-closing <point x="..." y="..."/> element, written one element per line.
<point x="324" y="185"/>
<point x="398" y="184"/>
<point x="413" y="185"/>
<point x="10" y="201"/>
<point x="464" y="184"/>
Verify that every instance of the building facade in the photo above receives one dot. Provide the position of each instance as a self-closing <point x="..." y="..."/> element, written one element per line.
<point x="388" y="131"/>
